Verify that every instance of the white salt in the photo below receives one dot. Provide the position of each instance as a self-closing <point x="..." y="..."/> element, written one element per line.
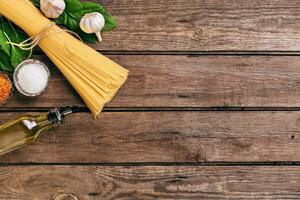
<point x="32" y="78"/>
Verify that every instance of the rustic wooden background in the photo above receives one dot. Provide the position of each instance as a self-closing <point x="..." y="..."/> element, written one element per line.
<point x="210" y="110"/>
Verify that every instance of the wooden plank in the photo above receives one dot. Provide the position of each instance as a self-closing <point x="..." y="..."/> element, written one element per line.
<point x="91" y="182"/>
<point x="182" y="81"/>
<point x="179" y="25"/>
<point x="120" y="137"/>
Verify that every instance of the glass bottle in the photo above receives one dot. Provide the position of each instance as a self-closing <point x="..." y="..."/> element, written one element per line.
<point x="26" y="129"/>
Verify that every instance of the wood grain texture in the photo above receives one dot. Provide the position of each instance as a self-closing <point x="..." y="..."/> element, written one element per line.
<point x="182" y="81"/>
<point x="201" y="25"/>
<point x="120" y="137"/>
<point x="171" y="136"/>
<point x="108" y="183"/>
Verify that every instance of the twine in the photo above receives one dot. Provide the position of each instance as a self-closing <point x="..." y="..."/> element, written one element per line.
<point x="30" y="43"/>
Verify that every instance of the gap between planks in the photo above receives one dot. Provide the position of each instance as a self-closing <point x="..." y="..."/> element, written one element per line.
<point x="161" y="109"/>
<point x="196" y="53"/>
<point x="164" y="164"/>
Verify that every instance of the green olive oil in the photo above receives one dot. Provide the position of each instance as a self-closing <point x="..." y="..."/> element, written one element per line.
<point x="27" y="129"/>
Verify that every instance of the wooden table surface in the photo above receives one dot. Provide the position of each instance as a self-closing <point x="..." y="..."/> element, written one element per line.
<point x="211" y="109"/>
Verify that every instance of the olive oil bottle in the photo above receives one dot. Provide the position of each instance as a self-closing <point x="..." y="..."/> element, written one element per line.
<point x="27" y="128"/>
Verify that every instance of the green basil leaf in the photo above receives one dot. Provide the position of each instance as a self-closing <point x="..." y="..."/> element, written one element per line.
<point x="11" y="56"/>
<point x="91" y="38"/>
<point x="3" y="40"/>
<point x="36" y="2"/>
<point x="16" y="36"/>
<point x="5" y="61"/>
<point x="73" y="5"/>
<point x="68" y="21"/>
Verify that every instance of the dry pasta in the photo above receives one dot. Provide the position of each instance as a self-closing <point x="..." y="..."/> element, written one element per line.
<point x="95" y="77"/>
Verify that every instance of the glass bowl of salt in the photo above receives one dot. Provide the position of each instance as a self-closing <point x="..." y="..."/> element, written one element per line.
<point x="31" y="77"/>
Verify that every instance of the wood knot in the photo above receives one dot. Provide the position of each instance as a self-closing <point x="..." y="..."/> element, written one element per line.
<point x="198" y="34"/>
<point x="65" y="197"/>
<point x="200" y="154"/>
<point x="293" y="137"/>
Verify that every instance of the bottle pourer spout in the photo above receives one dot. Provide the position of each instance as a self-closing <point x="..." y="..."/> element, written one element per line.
<point x="57" y="115"/>
<point x="64" y="111"/>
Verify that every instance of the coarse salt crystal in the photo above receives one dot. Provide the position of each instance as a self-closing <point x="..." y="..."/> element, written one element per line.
<point x="32" y="78"/>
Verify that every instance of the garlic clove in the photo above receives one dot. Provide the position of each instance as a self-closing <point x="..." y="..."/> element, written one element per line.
<point x="93" y="23"/>
<point x="52" y="8"/>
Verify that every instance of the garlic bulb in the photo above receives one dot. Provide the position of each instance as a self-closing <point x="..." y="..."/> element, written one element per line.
<point x="93" y="23"/>
<point x="52" y="8"/>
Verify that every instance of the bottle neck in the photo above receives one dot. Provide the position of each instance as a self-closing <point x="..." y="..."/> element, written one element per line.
<point x="57" y="115"/>
<point x="52" y="118"/>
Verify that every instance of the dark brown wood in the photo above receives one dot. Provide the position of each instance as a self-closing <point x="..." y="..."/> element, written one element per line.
<point x="108" y="183"/>
<point x="175" y="81"/>
<point x="182" y="81"/>
<point x="121" y="137"/>
<point x="201" y="25"/>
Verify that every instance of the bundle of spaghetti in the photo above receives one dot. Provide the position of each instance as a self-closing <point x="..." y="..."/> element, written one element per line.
<point x="95" y="77"/>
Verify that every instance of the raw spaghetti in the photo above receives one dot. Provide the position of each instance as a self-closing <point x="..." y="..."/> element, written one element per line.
<point x="95" y="77"/>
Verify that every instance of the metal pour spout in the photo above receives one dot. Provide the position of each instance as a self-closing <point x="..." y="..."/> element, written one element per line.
<point x="57" y="115"/>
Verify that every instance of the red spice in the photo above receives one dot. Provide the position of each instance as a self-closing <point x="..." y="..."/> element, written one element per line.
<point x="5" y="87"/>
